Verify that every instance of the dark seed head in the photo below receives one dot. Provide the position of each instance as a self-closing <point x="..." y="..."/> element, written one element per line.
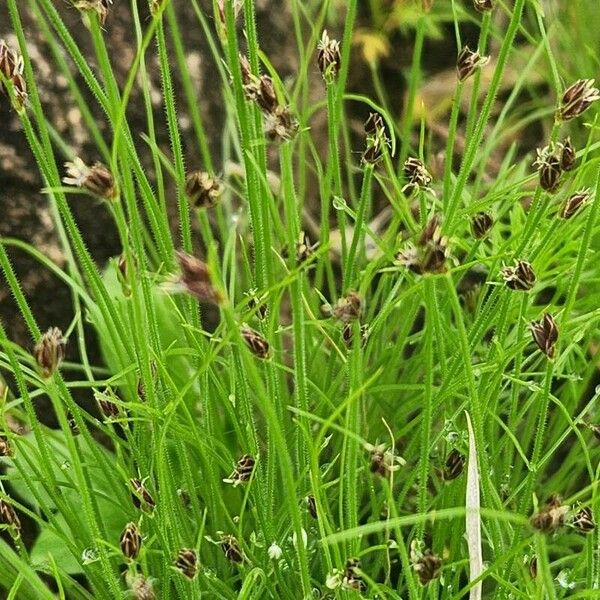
<point x="383" y="461"/>
<point x="247" y="76"/>
<point x="376" y="139"/>
<point x="11" y="66"/>
<point x="576" y="99"/>
<point x="187" y="562"/>
<point x="257" y="344"/>
<point x="184" y="497"/>
<point x="266" y="96"/>
<point x="468" y="62"/>
<point x="374" y="152"/>
<point x="196" y="279"/>
<point x="583" y="521"/>
<point x="545" y="334"/>
<point x="409" y="258"/>
<point x="304" y="249"/>
<point x="533" y="567"/>
<point x="575" y="202"/>
<point x="552" y="516"/>
<point x="568" y="156"/>
<point x="416" y="175"/>
<point x="352" y="579"/>
<point x="97" y="179"/>
<point x="6" y="449"/>
<point x="281" y="124"/>
<point x="10" y="61"/>
<point x="329" y="57"/>
<point x="8" y="517"/>
<point x="231" y="549"/>
<point x="49" y="352"/>
<point x="428" y="233"/>
<point x="428" y="567"/>
<point x="481" y="223"/>
<point x="520" y="277"/>
<point x="311" y="505"/>
<point x="259" y="89"/>
<point x="100" y="7"/>
<point x="483" y="5"/>
<point x="203" y="189"/>
<point x="257" y="305"/>
<point x="374" y="125"/>
<point x="348" y="334"/>
<point x="73" y="424"/>
<point x="131" y="541"/>
<point x="431" y="253"/>
<point x="140" y="587"/>
<point x="377" y="461"/>
<point x="109" y="408"/>
<point x="141" y="497"/>
<point x="348" y="308"/>
<point x="243" y="470"/>
<point x="548" y="163"/>
<point x="454" y="466"/>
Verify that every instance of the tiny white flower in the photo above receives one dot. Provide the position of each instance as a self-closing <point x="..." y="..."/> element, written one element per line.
<point x="304" y="539"/>
<point x="565" y="579"/>
<point x="77" y="172"/>
<point x="334" y="580"/>
<point x="275" y="552"/>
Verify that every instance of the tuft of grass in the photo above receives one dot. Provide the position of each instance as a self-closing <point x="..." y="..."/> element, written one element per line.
<point x="275" y="418"/>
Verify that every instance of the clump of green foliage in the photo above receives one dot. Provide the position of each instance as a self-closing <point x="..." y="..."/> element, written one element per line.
<point x="404" y="407"/>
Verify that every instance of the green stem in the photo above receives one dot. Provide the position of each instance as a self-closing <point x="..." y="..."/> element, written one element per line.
<point x="358" y="238"/>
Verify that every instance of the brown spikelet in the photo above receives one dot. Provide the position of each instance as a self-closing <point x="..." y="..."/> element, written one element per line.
<point x="258" y="345"/>
<point x="519" y="277"/>
<point x="203" y="189"/>
<point x="551" y="516"/>
<point x="568" y="156"/>
<point x="382" y="460"/>
<point x="329" y="57"/>
<point x="483" y="5"/>
<point x="140" y="587"/>
<point x="231" y="549"/>
<point x="109" y="408"/>
<point x="196" y="279"/>
<point x="575" y="202"/>
<point x="549" y="167"/>
<point x="352" y="578"/>
<point x="545" y="334"/>
<point x="131" y="541"/>
<point x="454" y="465"/>
<point x="416" y="175"/>
<point x="426" y="564"/>
<point x="9" y="518"/>
<point x="11" y="68"/>
<point x="6" y="449"/>
<point x="349" y="307"/>
<point x="311" y="506"/>
<point x="96" y="179"/>
<point x="583" y="520"/>
<point x="140" y="496"/>
<point x="49" y="352"/>
<point x="481" y="223"/>
<point x="243" y="470"/>
<point x="576" y="99"/>
<point x="100" y="7"/>
<point x="187" y="562"/>
<point x="468" y="62"/>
